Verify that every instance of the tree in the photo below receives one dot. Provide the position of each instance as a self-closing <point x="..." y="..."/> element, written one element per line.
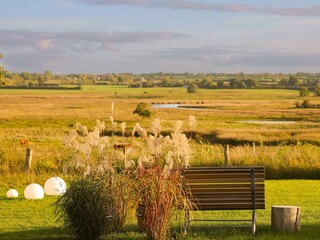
<point x="317" y="91"/>
<point x="3" y="73"/>
<point x="283" y="82"/>
<point x="142" y="110"/>
<point x="48" y="75"/>
<point x="236" y="83"/>
<point x="192" y="88"/>
<point x="220" y="84"/>
<point x="293" y="81"/>
<point x="304" y="92"/>
<point x="252" y="83"/>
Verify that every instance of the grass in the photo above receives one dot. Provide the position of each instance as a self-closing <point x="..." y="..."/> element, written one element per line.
<point x="25" y="219"/>
<point x="281" y="161"/>
<point x="45" y="116"/>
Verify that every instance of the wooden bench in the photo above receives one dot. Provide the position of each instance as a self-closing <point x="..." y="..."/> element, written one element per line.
<point x="226" y="188"/>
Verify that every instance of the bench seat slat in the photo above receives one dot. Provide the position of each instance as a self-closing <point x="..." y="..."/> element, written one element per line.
<point x="223" y="186"/>
<point x="226" y="195"/>
<point x="225" y="176"/>
<point x="222" y="180"/>
<point x="220" y="170"/>
<point x="233" y="205"/>
<point x="228" y="207"/>
<point x="224" y="200"/>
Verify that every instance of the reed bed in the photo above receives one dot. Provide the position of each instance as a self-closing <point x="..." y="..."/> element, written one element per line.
<point x="281" y="162"/>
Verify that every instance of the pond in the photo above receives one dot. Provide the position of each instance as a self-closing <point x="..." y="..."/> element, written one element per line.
<point x="169" y="105"/>
<point x="177" y="105"/>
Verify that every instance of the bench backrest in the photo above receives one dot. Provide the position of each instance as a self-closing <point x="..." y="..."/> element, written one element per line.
<point x="226" y="188"/>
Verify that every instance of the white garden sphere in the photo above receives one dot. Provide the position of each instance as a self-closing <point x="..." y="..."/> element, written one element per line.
<point x="12" y="193"/>
<point x="34" y="191"/>
<point x="55" y="186"/>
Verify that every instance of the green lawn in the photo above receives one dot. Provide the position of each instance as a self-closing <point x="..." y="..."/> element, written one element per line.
<point x="23" y="219"/>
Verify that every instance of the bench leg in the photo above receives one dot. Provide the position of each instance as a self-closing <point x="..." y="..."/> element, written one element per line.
<point x="253" y="222"/>
<point x="187" y="220"/>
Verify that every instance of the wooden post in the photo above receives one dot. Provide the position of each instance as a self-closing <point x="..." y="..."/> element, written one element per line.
<point x="254" y="148"/>
<point x="226" y="155"/>
<point x="285" y="218"/>
<point x="27" y="164"/>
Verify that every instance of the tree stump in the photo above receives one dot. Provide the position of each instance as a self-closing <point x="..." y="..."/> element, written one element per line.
<point x="285" y="218"/>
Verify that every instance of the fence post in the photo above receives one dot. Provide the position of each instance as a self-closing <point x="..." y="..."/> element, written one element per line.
<point x="27" y="164"/>
<point x="254" y="148"/>
<point x="226" y="155"/>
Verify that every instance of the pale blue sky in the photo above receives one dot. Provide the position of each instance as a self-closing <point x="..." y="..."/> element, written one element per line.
<point x="142" y="36"/>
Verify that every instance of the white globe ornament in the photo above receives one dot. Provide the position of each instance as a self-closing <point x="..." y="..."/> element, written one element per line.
<point x="12" y="193"/>
<point x="55" y="186"/>
<point x="33" y="191"/>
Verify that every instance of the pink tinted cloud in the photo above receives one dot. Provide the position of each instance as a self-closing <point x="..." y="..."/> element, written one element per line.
<point x="204" y="6"/>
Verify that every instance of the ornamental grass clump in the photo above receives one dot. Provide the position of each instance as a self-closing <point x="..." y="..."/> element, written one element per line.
<point x="87" y="208"/>
<point x="153" y="179"/>
<point x="86" y="148"/>
<point x="94" y="158"/>
<point x="159" y="183"/>
<point x="161" y="195"/>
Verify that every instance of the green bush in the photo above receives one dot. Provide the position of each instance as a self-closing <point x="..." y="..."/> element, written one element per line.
<point x="192" y="88"/>
<point x="143" y="110"/>
<point x="304" y="92"/>
<point x="88" y="208"/>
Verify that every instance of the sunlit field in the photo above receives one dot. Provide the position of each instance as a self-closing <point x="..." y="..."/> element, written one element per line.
<point x="289" y="149"/>
<point x="43" y="117"/>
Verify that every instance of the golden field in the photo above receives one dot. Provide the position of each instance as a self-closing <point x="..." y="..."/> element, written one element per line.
<point x="43" y="117"/>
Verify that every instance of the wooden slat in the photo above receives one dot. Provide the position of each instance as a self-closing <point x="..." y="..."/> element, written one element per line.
<point x="222" y="175"/>
<point x="224" y="200"/>
<point x="225" y="168"/>
<point x="221" y="170"/>
<point x="229" y="207"/>
<point x="224" y="194"/>
<point x="240" y="205"/>
<point x="220" y="186"/>
<point x="227" y="198"/>
<point x="226" y="188"/>
<point x="222" y="180"/>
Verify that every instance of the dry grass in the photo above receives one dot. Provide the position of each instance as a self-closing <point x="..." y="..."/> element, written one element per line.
<point x="44" y="117"/>
<point x="281" y="161"/>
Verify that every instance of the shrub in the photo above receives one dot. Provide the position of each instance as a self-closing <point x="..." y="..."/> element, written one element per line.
<point x="306" y="104"/>
<point x="304" y="92"/>
<point x="86" y="208"/>
<point x="192" y="88"/>
<point x="143" y="110"/>
<point x="317" y="91"/>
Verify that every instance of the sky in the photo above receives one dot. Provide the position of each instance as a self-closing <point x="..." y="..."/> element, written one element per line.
<point x="144" y="36"/>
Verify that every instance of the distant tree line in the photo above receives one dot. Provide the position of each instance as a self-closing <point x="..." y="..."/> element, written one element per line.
<point x="300" y="81"/>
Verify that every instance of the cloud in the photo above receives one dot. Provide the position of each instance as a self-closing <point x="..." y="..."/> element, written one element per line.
<point x="203" y="6"/>
<point x="77" y="42"/>
<point x="233" y="57"/>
